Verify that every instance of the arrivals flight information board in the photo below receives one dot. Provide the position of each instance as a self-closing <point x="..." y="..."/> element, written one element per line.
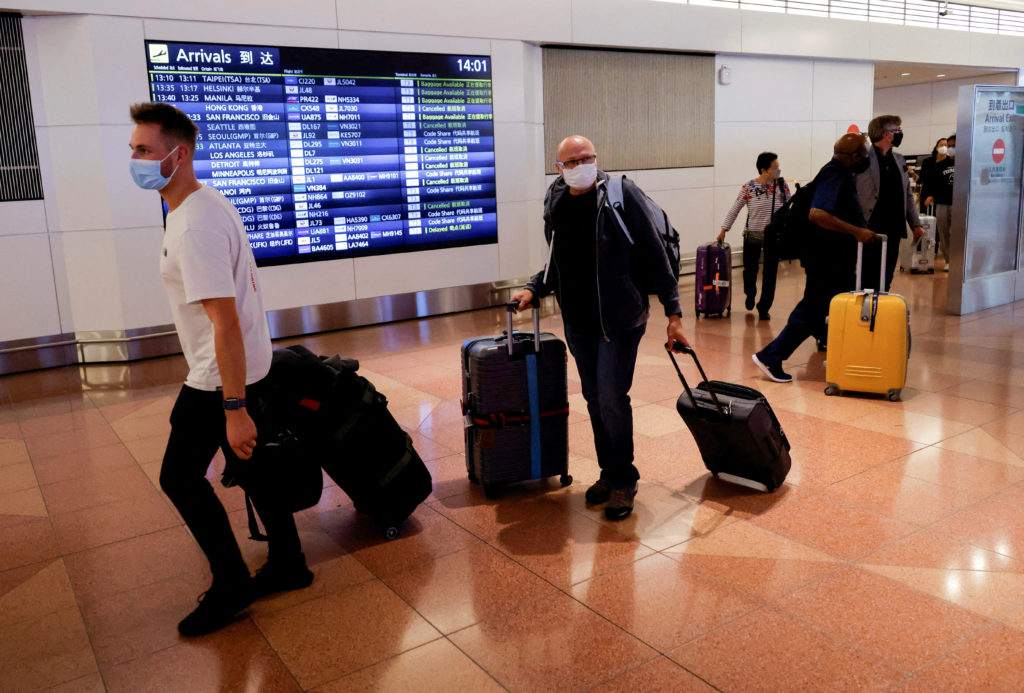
<point x="336" y="153"/>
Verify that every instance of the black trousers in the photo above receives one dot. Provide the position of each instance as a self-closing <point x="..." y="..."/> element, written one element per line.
<point x="824" y="280"/>
<point x="197" y="429"/>
<point x="752" y="251"/>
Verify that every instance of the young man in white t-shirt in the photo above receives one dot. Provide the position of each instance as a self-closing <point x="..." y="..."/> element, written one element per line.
<point x="209" y="274"/>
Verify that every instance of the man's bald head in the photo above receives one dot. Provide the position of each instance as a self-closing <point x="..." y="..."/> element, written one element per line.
<point x="575" y="147"/>
<point x="850" y="143"/>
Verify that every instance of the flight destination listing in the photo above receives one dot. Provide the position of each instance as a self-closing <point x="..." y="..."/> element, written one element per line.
<point x="335" y="153"/>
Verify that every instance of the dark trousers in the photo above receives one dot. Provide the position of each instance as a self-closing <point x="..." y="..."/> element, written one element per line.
<point x="197" y="430"/>
<point x="873" y="260"/>
<point x="808" y="317"/>
<point x="606" y="373"/>
<point x="752" y="251"/>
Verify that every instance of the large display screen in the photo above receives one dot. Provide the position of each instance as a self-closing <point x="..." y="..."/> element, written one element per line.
<point x="336" y="153"/>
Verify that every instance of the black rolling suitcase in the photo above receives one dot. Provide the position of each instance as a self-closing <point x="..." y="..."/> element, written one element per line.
<point x="345" y="422"/>
<point x="736" y="430"/>
<point x="516" y="407"/>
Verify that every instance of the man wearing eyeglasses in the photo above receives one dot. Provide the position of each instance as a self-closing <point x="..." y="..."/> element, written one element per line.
<point x="600" y="276"/>
<point x="886" y="198"/>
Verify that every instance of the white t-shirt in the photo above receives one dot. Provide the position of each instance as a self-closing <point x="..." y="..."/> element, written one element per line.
<point x="206" y="254"/>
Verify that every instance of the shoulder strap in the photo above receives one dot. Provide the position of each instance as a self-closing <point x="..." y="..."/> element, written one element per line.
<point x="615" y="197"/>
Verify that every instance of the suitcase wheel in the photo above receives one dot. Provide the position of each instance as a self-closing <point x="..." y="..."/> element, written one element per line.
<point x="894" y="395"/>
<point x="831" y="389"/>
<point x="490" y="491"/>
<point x="472" y="476"/>
<point x="565" y="479"/>
<point x="728" y="311"/>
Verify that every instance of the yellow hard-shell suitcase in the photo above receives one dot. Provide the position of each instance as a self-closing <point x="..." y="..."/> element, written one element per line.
<point x="868" y="340"/>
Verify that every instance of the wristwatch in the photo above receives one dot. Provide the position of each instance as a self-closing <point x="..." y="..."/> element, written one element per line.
<point x="232" y="403"/>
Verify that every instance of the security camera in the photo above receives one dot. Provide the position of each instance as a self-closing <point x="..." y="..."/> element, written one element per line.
<point x="945" y="9"/>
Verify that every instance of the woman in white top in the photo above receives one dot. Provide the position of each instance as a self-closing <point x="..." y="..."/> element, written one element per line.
<point x="762" y="196"/>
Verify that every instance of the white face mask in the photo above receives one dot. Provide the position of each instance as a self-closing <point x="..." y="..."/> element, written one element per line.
<point x="950" y="151"/>
<point x="776" y="174"/>
<point x="942" y="150"/>
<point x="581" y="177"/>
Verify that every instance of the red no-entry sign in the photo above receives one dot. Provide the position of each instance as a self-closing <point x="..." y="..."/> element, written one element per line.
<point x="998" y="151"/>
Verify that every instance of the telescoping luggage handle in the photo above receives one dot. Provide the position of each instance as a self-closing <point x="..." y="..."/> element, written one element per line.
<point x="860" y="262"/>
<point x="683" y="349"/>
<point x="510" y="308"/>
<point x="869" y="308"/>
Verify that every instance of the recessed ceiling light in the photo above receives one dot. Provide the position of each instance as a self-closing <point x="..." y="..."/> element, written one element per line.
<point x="904" y="74"/>
<point x="940" y="75"/>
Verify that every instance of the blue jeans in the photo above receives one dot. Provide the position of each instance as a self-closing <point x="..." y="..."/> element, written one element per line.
<point x="606" y="372"/>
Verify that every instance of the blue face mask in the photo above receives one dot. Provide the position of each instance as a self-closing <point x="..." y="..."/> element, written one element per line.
<point x="146" y="172"/>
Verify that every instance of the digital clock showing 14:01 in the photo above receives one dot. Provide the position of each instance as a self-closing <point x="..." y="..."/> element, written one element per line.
<point x="473" y="64"/>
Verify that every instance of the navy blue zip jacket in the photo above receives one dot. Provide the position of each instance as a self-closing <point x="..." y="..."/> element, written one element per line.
<point x="622" y="271"/>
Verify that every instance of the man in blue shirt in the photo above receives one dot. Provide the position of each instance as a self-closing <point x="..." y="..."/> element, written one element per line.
<point x="830" y="258"/>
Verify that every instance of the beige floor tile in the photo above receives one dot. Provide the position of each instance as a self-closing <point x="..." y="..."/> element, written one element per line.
<point x="463" y="588"/>
<point x="437" y="667"/>
<point x="539" y="645"/>
<point x="980" y="443"/>
<point x="745" y="655"/>
<point x="661" y="674"/>
<point x="324" y="639"/>
<point x="661" y="601"/>
<point x="45" y="651"/>
<point x="238" y="653"/>
<point x="920" y="428"/>
<point x="859" y="608"/>
<point x="43" y="591"/>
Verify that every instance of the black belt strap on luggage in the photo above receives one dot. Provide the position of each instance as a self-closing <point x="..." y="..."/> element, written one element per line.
<point x="682" y="348"/>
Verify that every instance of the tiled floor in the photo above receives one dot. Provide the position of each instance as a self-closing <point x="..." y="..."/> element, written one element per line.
<point x="892" y="560"/>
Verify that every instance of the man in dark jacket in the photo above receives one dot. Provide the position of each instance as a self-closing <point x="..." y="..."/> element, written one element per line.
<point x="830" y="257"/>
<point x="600" y="276"/>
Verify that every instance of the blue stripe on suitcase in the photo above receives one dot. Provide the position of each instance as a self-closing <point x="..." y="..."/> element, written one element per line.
<point x="532" y="385"/>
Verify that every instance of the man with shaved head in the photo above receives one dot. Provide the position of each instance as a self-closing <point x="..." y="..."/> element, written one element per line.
<point x="831" y="255"/>
<point x="600" y="273"/>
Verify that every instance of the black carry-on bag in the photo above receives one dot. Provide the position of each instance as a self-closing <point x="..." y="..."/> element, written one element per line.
<point x="345" y="424"/>
<point x="515" y="406"/>
<point x="736" y="430"/>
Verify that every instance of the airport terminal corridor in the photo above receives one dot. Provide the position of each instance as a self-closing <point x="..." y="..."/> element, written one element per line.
<point x="892" y="559"/>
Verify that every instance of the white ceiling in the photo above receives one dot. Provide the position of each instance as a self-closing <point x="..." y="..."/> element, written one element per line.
<point x="892" y="75"/>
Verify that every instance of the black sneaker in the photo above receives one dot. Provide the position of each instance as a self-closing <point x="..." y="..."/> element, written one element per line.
<point x="773" y="370"/>
<point x="599" y="492"/>
<point x="217" y="608"/>
<point x="281" y="577"/>
<point x="750" y="303"/>
<point x="763" y="315"/>
<point x="620" y="503"/>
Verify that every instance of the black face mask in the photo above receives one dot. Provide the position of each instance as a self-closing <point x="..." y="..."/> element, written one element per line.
<point x="862" y="165"/>
<point x="897" y="140"/>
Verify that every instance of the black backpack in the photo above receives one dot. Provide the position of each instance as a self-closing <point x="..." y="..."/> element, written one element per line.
<point x="666" y="232"/>
<point x="789" y="231"/>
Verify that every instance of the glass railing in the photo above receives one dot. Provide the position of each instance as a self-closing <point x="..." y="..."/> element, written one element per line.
<point x="925" y="13"/>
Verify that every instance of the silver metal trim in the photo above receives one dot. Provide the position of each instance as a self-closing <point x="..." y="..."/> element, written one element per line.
<point x="114" y="346"/>
<point x="970" y="295"/>
<point x="37" y="352"/>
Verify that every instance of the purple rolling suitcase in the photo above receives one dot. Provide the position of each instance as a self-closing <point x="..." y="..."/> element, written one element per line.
<point x="714" y="280"/>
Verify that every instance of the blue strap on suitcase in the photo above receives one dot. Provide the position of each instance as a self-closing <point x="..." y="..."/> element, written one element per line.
<point x="534" y="394"/>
